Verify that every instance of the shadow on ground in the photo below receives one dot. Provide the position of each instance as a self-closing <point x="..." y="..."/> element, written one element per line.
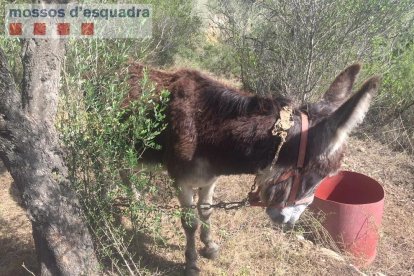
<point x="14" y="252"/>
<point x="145" y="247"/>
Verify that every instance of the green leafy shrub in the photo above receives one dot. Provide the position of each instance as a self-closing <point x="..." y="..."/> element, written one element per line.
<point x="101" y="142"/>
<point x="392" y="115"/>
<point x="105" y="141"/>
<point x="295" y="48"/>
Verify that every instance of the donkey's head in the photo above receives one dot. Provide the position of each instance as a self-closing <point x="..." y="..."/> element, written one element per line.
<point x="331" y="121"/>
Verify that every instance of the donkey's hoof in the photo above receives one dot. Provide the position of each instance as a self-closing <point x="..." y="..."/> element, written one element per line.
<point x="191" y="271"/>
<point x="211" y="252"/>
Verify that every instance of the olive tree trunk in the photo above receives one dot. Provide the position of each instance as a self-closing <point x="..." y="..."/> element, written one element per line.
<point x="31" y="151"/>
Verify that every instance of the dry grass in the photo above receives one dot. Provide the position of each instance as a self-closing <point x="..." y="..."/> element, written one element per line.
<point x="249" y="243"/>
<point x="396" y="172"/>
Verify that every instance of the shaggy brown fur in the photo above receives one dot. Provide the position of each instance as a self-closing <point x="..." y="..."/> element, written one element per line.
<point x="208" y="119"/>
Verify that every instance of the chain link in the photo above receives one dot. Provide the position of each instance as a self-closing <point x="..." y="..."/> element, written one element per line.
<point x="232" y="205"/>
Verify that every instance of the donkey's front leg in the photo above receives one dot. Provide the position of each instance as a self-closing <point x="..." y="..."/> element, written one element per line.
<point x="189" y="222"/>
<point x="205" y="198"/>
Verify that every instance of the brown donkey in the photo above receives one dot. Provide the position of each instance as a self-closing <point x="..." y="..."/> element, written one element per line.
<point x="214" y="130"/>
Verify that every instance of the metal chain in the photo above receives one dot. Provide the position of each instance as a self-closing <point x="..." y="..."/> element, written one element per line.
<point x="231" y="205"/>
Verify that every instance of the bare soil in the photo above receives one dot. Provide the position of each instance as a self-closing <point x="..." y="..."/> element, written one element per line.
<point x="249" y="243"/>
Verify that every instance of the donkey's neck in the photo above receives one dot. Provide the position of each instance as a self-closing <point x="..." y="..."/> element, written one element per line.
<point x="236" y="131"/>
<point x="228" y="128"/>
<point x="225" y="102"/>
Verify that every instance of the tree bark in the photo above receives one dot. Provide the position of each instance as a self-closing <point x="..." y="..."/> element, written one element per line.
<point x="31" y="151"/>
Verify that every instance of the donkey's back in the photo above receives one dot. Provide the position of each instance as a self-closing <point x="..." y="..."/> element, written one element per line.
<point x="209" y="123"/>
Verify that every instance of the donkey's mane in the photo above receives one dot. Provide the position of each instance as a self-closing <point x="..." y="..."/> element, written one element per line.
<point x="228" y="102"/>
<point x="215" y="97"/>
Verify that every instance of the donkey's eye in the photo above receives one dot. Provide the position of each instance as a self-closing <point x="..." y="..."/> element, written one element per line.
<point x="276" y="194"/>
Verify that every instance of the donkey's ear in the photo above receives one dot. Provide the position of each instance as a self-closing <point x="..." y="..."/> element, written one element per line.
<point x="340" y="123"/>
<point x="341" y="87"/>
<point x="337" y="92"/>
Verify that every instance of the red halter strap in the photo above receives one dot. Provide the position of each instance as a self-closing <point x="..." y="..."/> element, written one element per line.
<point x="297" y="176"/>
<point x="254" y="198"/>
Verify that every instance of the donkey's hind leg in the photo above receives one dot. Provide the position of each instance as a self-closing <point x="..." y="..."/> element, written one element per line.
<point x="205" y="198"/>
<point x="189" y="222"/>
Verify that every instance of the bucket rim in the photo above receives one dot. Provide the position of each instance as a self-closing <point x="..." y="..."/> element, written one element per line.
<point x="350" y="204"/>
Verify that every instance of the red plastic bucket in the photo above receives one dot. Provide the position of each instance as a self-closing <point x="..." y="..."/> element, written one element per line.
<point x="352" y="204"/>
